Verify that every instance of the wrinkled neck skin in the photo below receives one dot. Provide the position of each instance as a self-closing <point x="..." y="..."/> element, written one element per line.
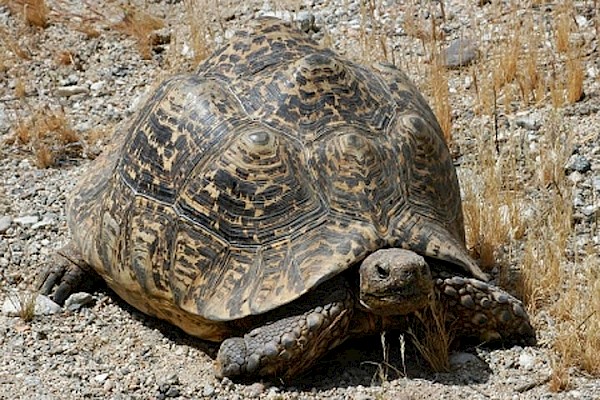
<point x="366" y="323"/>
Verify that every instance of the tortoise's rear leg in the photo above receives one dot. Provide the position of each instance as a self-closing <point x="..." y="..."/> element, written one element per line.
<point x="67" y="274"/>
<point x="484" y="311"/>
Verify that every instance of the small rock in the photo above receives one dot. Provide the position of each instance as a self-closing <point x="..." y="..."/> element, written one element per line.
<point x="528" y="122"/>
<point x="462" y="358"/>
<point x="208" y="390"/>
<point x="26" y="220"/>
<point x="44" y="222"/>
<point x="67" y="91"/>
<point x="109" y="385"/>
<point x="459" y="53"/>
<point x="4" y="121"/>
<point x="254" y="390"/>
<point x="96" y="86"/>
<point x="575" y="177"/>
<point x="172" y="392"/>
<point x="596" y="183"/>
<point x="581" y="21"/>
<point x="527" y="361"/>
<point x="363" y="396"/>
<point x="77" y="300"/>
<point x="101" y="378"/>
<point x="578" y="163"/>
<point x="5" y="222"/>
<point x="589" y="211"/>
<point x="14" y="303"/>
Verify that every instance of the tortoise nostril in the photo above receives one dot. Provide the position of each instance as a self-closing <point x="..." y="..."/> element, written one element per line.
<point x="383" y="272"/>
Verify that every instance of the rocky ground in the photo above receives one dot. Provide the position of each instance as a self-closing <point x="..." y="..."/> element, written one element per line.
<point x="64" y="87"/>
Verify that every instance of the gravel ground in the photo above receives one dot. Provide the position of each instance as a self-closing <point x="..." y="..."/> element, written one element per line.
<point x="102" y="348"/>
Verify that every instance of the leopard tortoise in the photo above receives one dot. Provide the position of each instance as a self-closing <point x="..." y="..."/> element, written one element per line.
<point x="281" y="199"/>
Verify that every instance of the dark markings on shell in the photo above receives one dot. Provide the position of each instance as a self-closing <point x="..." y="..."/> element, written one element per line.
<point x="278" y="164"/>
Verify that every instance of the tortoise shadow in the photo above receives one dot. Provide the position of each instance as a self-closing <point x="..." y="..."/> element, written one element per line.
<point x="358" y="361"/>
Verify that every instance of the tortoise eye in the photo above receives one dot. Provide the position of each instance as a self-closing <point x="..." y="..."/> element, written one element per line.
<point x="382" y="272"/>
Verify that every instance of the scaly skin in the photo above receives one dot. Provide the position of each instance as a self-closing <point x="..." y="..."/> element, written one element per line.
<point x="287" y="346"/>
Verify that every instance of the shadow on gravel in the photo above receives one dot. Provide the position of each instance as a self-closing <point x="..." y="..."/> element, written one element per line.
<point x="356" y="362"/>
<point x="361" y="362"/>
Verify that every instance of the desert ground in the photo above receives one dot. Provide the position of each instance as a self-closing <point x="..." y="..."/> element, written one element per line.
<point x="515" y="86"/>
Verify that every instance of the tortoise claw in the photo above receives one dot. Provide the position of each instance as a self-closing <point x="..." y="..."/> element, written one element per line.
<point x="67" y="275"/>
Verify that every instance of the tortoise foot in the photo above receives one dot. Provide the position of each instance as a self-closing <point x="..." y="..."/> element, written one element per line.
<point x="288" y="346"/>
<point x="485" y="311"/>
<point x="68" y="274"/>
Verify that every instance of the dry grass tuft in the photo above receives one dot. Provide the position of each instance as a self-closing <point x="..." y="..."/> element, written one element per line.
<point x="441" y="97"/>
<point x="575" y="76"/>
<point x="577" y="312"/>
<point x="384" y="368"/>
<point x="547" y="240"/>
<point x="34" y="12"/>
<point x="432" y="338"/>
<point x="141" y="26"/>
<point x="48" y="135"/>
<point x="493" y="203"/>
<point x="201" y="34"/>
<point x="25" y="303"/>
<point x="12" y="45"/>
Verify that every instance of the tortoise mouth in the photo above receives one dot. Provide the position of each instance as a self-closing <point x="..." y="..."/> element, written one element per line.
<point x="395" y="304"/>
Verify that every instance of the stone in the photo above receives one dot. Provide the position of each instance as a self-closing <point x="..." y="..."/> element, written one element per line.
<point x="46" y="221"/>
<point x="208" y="390"/>
<point x="68" y="91"/>
<point x="77" y="300"/>
<point x="26" y="220"/>
<point x="527" y="361"/>
<point x="101" y="378"/>
<point x="529" y="122"/>
<point x="578" y="163"/>
<point x="5" y="222"/>
<point x="459" y="53"/>
<point x="254" y="391"/>
<point x="589" y="211"/>
<point x="596" y="183"/>
<point x="96" y="86"/>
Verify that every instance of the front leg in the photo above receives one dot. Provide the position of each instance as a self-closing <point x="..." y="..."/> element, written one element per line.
<point x="478" y="309"/>
<point x="287" y="346"/>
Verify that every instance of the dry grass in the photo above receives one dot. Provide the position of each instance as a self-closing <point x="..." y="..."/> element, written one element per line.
<point x="384" y="368"/>
<point x="141" y="26"/>
<point x="24" y="302"/>
<point x="33" y="12"/>
<point x="48" y="135"/>
<point x="202" y="33"/>
<point x="12" y="45"/>
<point x="433" y="338"/>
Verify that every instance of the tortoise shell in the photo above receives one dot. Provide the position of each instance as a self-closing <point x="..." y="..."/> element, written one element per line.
<point x="275" y="166"/>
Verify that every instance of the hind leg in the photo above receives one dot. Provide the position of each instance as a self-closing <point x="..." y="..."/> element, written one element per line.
<point x="67" y="274"/>
<point x="481" y="310"/>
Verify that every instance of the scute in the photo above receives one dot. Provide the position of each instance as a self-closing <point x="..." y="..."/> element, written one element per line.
<point x="272" y="168"/>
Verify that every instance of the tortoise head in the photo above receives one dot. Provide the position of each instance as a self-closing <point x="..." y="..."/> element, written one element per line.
<point x="395" y="282"/>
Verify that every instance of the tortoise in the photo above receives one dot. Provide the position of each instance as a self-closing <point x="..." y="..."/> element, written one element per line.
<point x="280" y="199"/>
